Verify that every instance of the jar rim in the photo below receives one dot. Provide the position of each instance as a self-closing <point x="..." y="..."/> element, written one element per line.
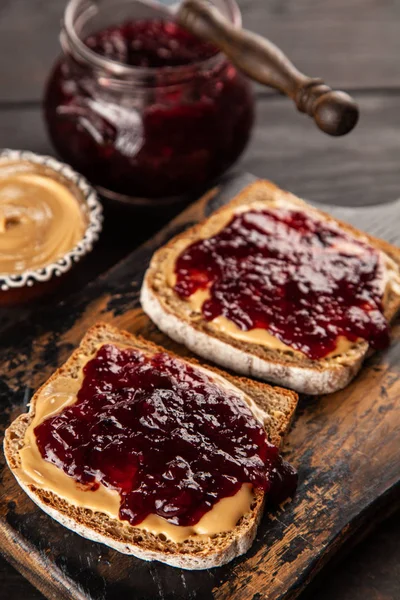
<point x="121" y="70"/>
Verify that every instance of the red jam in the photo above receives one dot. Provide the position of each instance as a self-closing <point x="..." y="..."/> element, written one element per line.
<point x="162" y="433"/>
<point x="150" y="44"/>
<point x="159" y="138"/>
<point x="290" y="274"/>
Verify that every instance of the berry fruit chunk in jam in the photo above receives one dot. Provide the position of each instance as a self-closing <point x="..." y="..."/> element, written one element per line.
<point x="150" y="43"/>
<point x="305" y="281"/>
<point x="163" y="434"/>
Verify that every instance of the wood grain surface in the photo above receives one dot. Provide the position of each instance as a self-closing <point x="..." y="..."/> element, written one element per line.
<point x="286" y="147"/>
<point x="351" y="44"/>
<point x="344" y="445"/>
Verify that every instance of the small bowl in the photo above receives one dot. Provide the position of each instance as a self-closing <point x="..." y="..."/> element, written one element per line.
<point x="22" y="287"/>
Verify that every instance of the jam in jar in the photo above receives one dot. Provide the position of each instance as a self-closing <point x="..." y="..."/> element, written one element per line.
<point x="140" y="106"/>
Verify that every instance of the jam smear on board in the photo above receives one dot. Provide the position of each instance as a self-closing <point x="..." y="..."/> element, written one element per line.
<point x="163" y="434"/>
<point x="305" y="281"/>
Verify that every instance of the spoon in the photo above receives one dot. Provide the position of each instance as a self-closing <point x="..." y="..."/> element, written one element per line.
<point x="335" y="112"/>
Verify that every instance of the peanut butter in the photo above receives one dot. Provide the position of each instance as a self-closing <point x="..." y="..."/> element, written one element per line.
<point x="33" y="470"/>
<point x="40" y="218"/>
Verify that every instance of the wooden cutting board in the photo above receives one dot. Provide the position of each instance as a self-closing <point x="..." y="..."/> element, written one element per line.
<point x="346" y="447"/>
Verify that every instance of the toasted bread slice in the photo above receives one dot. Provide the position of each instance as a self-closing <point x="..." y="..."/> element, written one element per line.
<point x="286" y="367"/>
<point x="277" y="406"/>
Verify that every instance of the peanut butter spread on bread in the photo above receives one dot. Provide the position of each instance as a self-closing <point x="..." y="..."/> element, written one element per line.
<point x="34" y="470"/>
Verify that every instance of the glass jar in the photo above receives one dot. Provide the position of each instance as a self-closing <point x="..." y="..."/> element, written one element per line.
<point x="144" y="134"/>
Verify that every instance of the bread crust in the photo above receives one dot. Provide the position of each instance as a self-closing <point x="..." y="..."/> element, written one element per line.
<point x="288" y="368"/>
<point x="278" y="404"/>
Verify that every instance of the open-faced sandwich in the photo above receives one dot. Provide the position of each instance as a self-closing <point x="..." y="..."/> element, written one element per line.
<point x="271" y="287"/>
<point x="153" y="455"/>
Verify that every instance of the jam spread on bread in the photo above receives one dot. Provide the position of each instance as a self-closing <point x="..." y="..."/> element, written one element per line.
<point x="306" y="281"/>
<point x="170" y="438"/>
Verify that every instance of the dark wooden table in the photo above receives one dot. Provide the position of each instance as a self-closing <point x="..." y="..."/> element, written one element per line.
<point x="353" y="45"/>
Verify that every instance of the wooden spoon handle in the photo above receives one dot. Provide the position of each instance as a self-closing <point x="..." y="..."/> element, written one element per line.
<point x="336" y="113"/>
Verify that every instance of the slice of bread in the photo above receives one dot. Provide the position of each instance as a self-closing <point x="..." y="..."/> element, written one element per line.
<point x="286" y="367"/>
<point x="277" y="406"/>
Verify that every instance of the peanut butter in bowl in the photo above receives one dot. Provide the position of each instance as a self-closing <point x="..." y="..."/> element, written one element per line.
<point x="49" y="218"/>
